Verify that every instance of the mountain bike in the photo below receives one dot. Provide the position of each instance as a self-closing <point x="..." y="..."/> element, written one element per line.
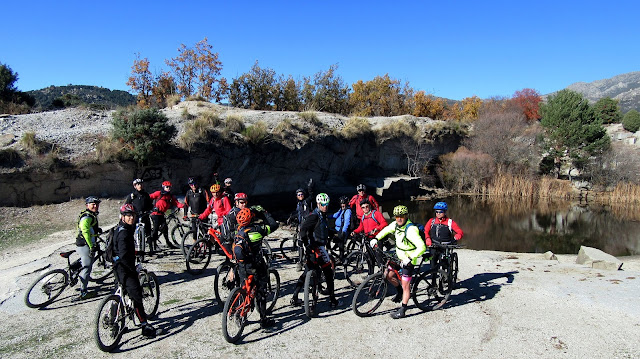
<point x="199" y="254"/>
<point x="117" y="309"/>
<point x="46" y="288"/>
<point x="315" y="284"/>
<point x="241" y="303"/>
<point x="177" y="228"/>
<point x="360" y="262"/>
<point x="432" y="288"/>
<point x="192" y="236"/>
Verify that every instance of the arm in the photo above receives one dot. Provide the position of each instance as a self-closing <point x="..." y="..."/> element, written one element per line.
<point x="380" y="218"/>
<point x="155" y="195"/>
<point x="427" y="238"/>
<point x="206" y="212"/>
<point x="307" y="227"/>
<point x="456" y="230"/>
<point x="176" y="203"/>
<point x="386" y="230"/>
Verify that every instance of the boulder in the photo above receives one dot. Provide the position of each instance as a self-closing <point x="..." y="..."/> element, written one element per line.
<point x="597" y="259"/>
<point x="548" y="255"/>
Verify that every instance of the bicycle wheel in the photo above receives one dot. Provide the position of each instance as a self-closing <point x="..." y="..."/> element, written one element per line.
<point x="140" y="243"/>
<point x="428" y="290"/>
<point x="454" y="269"/>
<point x="289" y="249"/>
<point x="101" y="268"/>
<point x="226" y="280"/>
<point x="46" y="288"/>
<point x="369" y="295"/>
<point x="109" y="323"/>
<point x="311" y="293"/>
<point x="267" y="252"/>
<point x="189" y="239"/>
<point x="177" y="232"/>
<point x="198" y="257"/>
<point x="357" y="267"/>
<point x="273" y="289"/>
<point x="234" y="315"/>
<point x="150" y="292"/>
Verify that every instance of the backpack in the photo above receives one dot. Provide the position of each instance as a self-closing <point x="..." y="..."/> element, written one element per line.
<point x="109" y="251"/>
<point x="420" y="230"/>
<point x="373" y="216"/>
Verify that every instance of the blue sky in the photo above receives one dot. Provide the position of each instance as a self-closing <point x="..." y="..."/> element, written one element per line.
<point x="452" y="49"/>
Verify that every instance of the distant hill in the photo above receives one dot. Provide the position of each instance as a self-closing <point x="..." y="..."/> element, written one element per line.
<point x="625" y="88"/>
<point x="91" y="95"/>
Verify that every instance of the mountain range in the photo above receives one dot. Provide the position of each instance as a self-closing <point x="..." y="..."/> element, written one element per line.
<point x="625" y="88"/>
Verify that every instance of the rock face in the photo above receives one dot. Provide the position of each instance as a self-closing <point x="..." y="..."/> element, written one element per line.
<point x="624" y="88"/>
<point x="597" y="259"/>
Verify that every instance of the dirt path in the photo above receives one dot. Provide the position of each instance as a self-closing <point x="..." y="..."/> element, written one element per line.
<point x="506" y="305"/>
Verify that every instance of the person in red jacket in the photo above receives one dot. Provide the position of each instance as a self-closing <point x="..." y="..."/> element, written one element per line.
<point x="219" y="204"/>
<point x="163" y="201"/>
<point x="442" y="229"/>
<point x="371" y="221"/>
<point x="356" y="199"/>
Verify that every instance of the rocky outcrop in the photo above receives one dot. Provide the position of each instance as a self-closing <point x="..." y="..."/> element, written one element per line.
<point x="597" y="259"/>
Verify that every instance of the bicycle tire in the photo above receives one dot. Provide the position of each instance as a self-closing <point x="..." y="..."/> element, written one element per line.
<point x="141" y="241"/>
<point x="101" y="269"/>
<point x="44" y="290"/>
<point x="289" y="249"/>
<point x="177" y="232"/>
<point x="426" y="291"/>
<point x="188" y="240"/>
<point x="357" y="267"/>
<point x="226" y="280"/>
<point x="234" y="315"/>
<point x="273" y="290"/>
<point x="311" y="294"/>
<point x="267" y="252"/>
<point x="369" y="295"/>
<point x="454" y="270"/>
<point x="198" y="257"/>
<point x="150" y="293"/>
<point x="109" y="323"/>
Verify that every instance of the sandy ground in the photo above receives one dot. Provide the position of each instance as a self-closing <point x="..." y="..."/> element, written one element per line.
<point x="505" y="305"/>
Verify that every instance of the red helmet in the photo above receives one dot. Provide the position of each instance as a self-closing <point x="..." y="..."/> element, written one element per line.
<point x="166" y="183"/>
<point x="241" y="195"/>
<point x="244" y="217"/>
<point x="127" y="208"/>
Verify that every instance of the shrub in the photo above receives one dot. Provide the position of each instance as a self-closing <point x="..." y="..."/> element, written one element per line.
<point x="284" y="128"/>
<point x="110" y="150"/>
<point x="173" y="100"/>
<point x="198" y="129"/>
<point x="397" y="129"/>
<point x="631" y="121"/>
<point x="467" y="171"/>
<point x="356" y="127"/>
<point x="234" y="123"/>
<point x="186" y="115"/>
<point x="32" y="144"/>
<point x="145" y="133"/>
<point x="257" y="133"/>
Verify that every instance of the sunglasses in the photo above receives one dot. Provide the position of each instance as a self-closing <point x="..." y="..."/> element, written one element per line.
<point x="300" y="194"/>
<point x="242" y="202"/>
<point x="438" y="211"/>
<point x="365" y="206"/>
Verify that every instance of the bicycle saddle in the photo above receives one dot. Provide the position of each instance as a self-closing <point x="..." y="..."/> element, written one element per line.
<point x="66" y="254"/>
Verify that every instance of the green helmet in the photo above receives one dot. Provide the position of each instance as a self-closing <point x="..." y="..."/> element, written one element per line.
<point x="322" y="199"/>
<point x="400" y="210"/>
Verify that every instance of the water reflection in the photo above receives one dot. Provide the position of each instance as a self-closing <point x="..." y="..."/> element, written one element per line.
<point x="523" y="226"/>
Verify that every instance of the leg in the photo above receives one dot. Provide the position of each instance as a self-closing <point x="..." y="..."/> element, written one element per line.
<point x="85" y="259"/>
<point x="156" y="227"/>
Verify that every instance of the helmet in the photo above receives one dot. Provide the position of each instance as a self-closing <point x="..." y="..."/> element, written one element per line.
<point x="322" y="199"/>
<point x="300" y="190"/>
<point x="127" y="208"/>
<point x="228" y="181"/>
<point x="91" y="199"/>
<point x="240" y="195"/>
<point x="166" y="184"/>
<point x="400" y="210"/>
<point x="191" y="181"/>
<point x="344" y="200"/>
<point x="441" y="205"/>
<point x="215" y="188"/>
<point x="361" y="187"/>
<point x="244" y="217"/>
<point x="137" y="180"/>
<point x="365" y="201"/>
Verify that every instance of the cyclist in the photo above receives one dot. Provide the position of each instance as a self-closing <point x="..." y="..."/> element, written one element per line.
<point x="409" y="248"/>
<point x="304" y="206"/>
<point x="371" y="221"/>
<point x="219" y="204"/>
<point x="314" y="232"/>
<point x="195" y="201"/>
<point x="343" y="224"/>
<point x="229" y="222"/>
<point x="226" y="189"/>
<point x="441" y="229"/>
<point x="125" y="265"/>
<point x="357" y="199"/>
<point x="88" y="230"/>
<point x="164" y="200"/>
<point x="142" y="203"/>
<point x="247" y="250"/>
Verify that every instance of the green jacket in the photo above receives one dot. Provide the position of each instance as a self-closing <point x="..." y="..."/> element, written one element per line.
<point x="87" y="229"/>
<point x="409" y="244"/>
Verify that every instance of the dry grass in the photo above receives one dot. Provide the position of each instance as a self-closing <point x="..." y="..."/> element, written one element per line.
<point x="356" y="127"/>
<point x="508" y="185"/>
<point x="234" y="123"/>
<point x="173" y="100"/>
<point x="628" y="193"/>
<point x="398" y="129"/>
<point x="109" y="150"/>
<point x="256" y="134"/>
<point x="198" y="129"/>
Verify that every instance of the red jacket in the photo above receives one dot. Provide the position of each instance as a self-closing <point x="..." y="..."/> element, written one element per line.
<point x="355" y="201"/>
<point x="220" y="205"/>
<point x="369" y="224"/>
<point x="163" y="202"/>
<point x="455" y="230"/>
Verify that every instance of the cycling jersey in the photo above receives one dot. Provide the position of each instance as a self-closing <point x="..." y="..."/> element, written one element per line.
<point x="87" y="229"/>
<point x="220" y="205"/>
<point x="371" y="222"/>
<point x="442" y="230"/>
<point x="196" y="201"/>
<point x="409" y="244"/>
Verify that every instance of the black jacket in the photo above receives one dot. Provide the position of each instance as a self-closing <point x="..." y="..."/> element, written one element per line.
<point x="125" y="248"/>
<point x="140" y="200"/>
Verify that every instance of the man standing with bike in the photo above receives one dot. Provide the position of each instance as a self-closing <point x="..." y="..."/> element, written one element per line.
<point x="164" y="201"/>
<point x="124" y="259"/>
<point x="247" y="250"/>
<point x="409" y="248"/>
<point x="195" y="201"/>
<point x="314" y="233"/>
<point x="88" y="230"/>
<point x="142" y="203"/>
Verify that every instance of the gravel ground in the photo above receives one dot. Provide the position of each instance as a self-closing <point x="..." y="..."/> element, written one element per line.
<point x="506" y="305"/>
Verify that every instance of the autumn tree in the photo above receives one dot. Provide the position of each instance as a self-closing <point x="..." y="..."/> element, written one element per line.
<point x="467" y="109"/>
<point x="529" y="102"/>
<point x="326" y="92"/>
<point x="607" y="110"/>
<point x="288" y="94"/>
<point x="573" y="133"/>
<point x="141" y="81"/>
<point x="428" y="105"/>
<point x="197" y="72"/>
<point x="255" y="89"/>
<point x="382" y="96"/>
<point x="164" y="86"/>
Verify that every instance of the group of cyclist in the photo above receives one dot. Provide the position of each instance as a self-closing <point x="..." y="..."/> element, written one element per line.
<point x="240" y="228"/>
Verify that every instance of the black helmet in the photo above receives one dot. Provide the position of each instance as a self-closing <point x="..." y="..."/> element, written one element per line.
<point x="92" y="199"/>
<point x="361" y="187"/>
<point x="191" y="181"/>
<point x="344" y="200"/>
<point x="137" y="180"/>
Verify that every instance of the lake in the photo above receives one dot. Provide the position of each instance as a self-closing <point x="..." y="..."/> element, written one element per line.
<point x="522" y="226"/>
